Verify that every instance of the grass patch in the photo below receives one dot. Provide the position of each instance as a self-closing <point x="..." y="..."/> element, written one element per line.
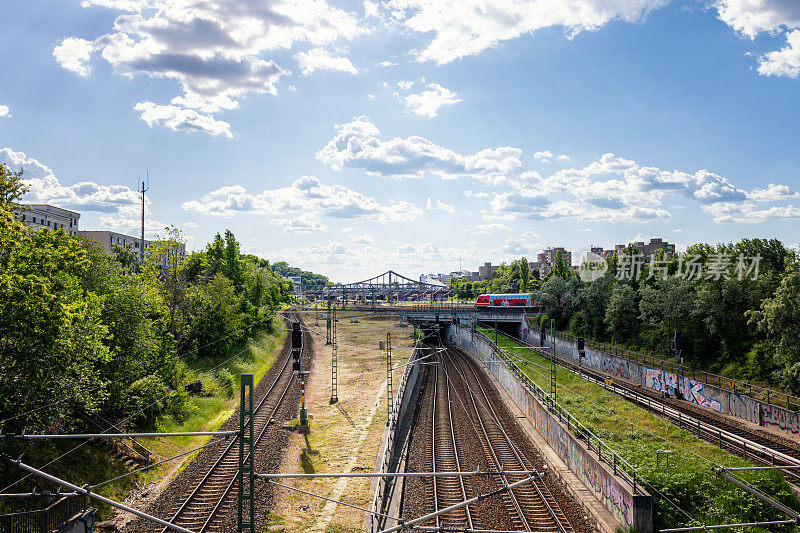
<point x="91" y="465"/>
<point x="637" y="435"/>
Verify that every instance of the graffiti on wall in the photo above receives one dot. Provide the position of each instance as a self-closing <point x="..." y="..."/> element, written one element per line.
<point x="616" y="367"/>
<point x="654" y="379"/>
<point x="607" y="489"/>
<point x="693" y="391"/>
<point x="772" y="415"/>
<point x="743" y="407"/>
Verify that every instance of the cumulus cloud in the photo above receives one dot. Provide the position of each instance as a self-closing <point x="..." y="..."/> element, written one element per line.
<point x="357" y="144"/>
<point x="321" y="59"/>
<point x="362" y="239"/>
<point x="469" y="27"/>
<point x="191" y="224"/>
<point x="516" y="246"/>
<point x="751" y="17"/>
<point x="440" y="206"/>
<point x="427" y="102"/>
<point x="783" y="62"/>
<point x="614" y="188"/>
<point x="306" y="195"/>
<point x="74" y="54"/>
<point x="546" y="156"/>
<point x="300" y="224"/>
<point x="180" y="119"/>
<point x="4" y="111"/>
<point x="213" y="50"/>
<point x="85" y="195"/>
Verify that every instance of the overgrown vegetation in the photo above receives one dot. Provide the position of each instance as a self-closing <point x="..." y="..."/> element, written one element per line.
<point x="687" y="484"/>
<point x="743" y="326"/>
<point x="84" y="337"/>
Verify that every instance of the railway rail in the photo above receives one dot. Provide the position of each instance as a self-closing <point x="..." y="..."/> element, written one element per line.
<point x="463" y="420"/>
<point x="754" y="444"/>
<point x="208" y="502"/>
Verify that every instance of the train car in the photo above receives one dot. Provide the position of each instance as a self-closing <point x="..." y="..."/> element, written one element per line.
<point x="506" y="300"/>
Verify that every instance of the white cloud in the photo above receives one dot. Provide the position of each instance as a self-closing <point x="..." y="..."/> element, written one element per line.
<point x="546" y="156"/>
<point x="300" y="224"/>
<point x="305" y="195"/>
<point x="783" y="62"/>
<point x="85" y="195"/>
<point x="362" y="239"/>
<point x="74" y="54"/>
<point x="213" y="50"/>
<point x="4" y="111"/>
<point x="191" y="224"/>
<point x="132" y="225"/>
<point x="469" y="193"/>
<point x="321" y="59"/>
<point x="387" y="63"/>
<point x="427" y="102"/>
<point x="440" y="206"/>
<point x="468" y="27"/>
<point x="180" y="119"/>
<point x="613" y="188"/>
<point x="370" y="9"/>
<point x="357" y="144"/>
<point x="773" y="193"/>
<point x="516" y="246"/>
<point x="751" y="17"/>
<point x="749" y="213"/>
<point x="488" y="228"/>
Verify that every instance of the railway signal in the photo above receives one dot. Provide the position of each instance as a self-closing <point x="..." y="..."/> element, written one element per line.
<point x="297" y="346"/>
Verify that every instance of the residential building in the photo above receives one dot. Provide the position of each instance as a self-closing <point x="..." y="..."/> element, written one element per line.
<point x="487" y="271"/>
<point x="465" y="275"/>
<point x="649" y="250"/>
<point x="108" y="239"/>
<point x="49" y="216"/>
<point x="549" y="256"/>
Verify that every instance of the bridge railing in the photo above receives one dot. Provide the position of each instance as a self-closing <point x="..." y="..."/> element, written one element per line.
<point x="605" y="453"/>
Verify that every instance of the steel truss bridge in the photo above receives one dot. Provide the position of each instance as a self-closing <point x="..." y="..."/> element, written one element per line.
<point x="383" y="288"/>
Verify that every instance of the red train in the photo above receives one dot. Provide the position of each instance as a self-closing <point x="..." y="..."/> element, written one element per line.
<point x="506" y="300"/>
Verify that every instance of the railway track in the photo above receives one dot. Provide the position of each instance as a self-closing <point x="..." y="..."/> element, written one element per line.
<point x="532" y="507"/>
<point x="757" y="445"/>
<point x="207" y="503"/>
<point x="464" y="429"/>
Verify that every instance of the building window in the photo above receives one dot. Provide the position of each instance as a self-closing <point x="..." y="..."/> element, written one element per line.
<point x="136" y="245"/>
<point x="34" y="220"/>
<point x="23" y="217"/>
<point x="110" y="240"/>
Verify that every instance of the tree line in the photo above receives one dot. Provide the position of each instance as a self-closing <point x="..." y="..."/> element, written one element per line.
<point x="83" y="333"/>
<point x="732" y="317"/>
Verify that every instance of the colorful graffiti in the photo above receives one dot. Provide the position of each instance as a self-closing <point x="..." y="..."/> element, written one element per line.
<point x="653" y="379"/>
<point x="693" y="391"/>
<point x="772" y="415"/>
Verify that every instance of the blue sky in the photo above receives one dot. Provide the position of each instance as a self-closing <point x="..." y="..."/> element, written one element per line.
<point x="353" y="137"/>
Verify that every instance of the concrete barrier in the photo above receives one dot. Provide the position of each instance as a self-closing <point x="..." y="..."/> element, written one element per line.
<point x="628" y="503"/>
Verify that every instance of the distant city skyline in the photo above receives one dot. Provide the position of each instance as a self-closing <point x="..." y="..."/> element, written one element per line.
<point x="349" y="138"/>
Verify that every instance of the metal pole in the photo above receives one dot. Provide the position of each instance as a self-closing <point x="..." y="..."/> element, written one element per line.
<point x="334" y="362"/>
<point x="403" y="474"/>
<point x="97" y="497"/>
<point x="246" y="468"/>
<point x="389" y="398"/>
<point x="721" y="472"/>
<point x="123" y="435"/>
<point x="459" y="505"/>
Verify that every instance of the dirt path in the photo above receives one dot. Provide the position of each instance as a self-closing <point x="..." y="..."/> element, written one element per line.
<point x="344" y="436"/>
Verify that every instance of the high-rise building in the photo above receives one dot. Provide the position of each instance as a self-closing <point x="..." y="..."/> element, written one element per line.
<point x="649" y="250"/>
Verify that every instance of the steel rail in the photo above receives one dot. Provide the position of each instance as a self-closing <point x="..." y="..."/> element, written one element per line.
<point x="523" y="460"/>
<point x="225" y="452"/>
<point x="458" y="462"/>
<point x="489" y="447"/>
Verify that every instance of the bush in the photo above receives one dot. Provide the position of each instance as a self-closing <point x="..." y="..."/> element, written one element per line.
<point x="146" y="399"/>
<point x="226" y="381"/>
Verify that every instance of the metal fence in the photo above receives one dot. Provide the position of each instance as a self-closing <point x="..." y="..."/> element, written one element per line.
<point x="43" y="520"/>
<point x="605" y="453"/>
<point x="757" y="392"/>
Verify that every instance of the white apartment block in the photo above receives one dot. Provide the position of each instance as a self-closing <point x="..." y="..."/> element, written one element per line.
<point x="49" y="216"/>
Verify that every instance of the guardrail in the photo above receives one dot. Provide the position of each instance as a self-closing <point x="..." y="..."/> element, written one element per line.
<point x="605" y="453"/>
<point x="43" y="520"/>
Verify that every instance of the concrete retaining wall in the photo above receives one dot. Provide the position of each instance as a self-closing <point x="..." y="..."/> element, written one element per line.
<point x="691" y="390"/>
<point x="614" y="492"/>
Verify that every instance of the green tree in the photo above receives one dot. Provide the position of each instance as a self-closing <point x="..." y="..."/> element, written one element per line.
<point x="622" y="313"/>
<point x="560" y="267"/>
<point x="524" y="274"/>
